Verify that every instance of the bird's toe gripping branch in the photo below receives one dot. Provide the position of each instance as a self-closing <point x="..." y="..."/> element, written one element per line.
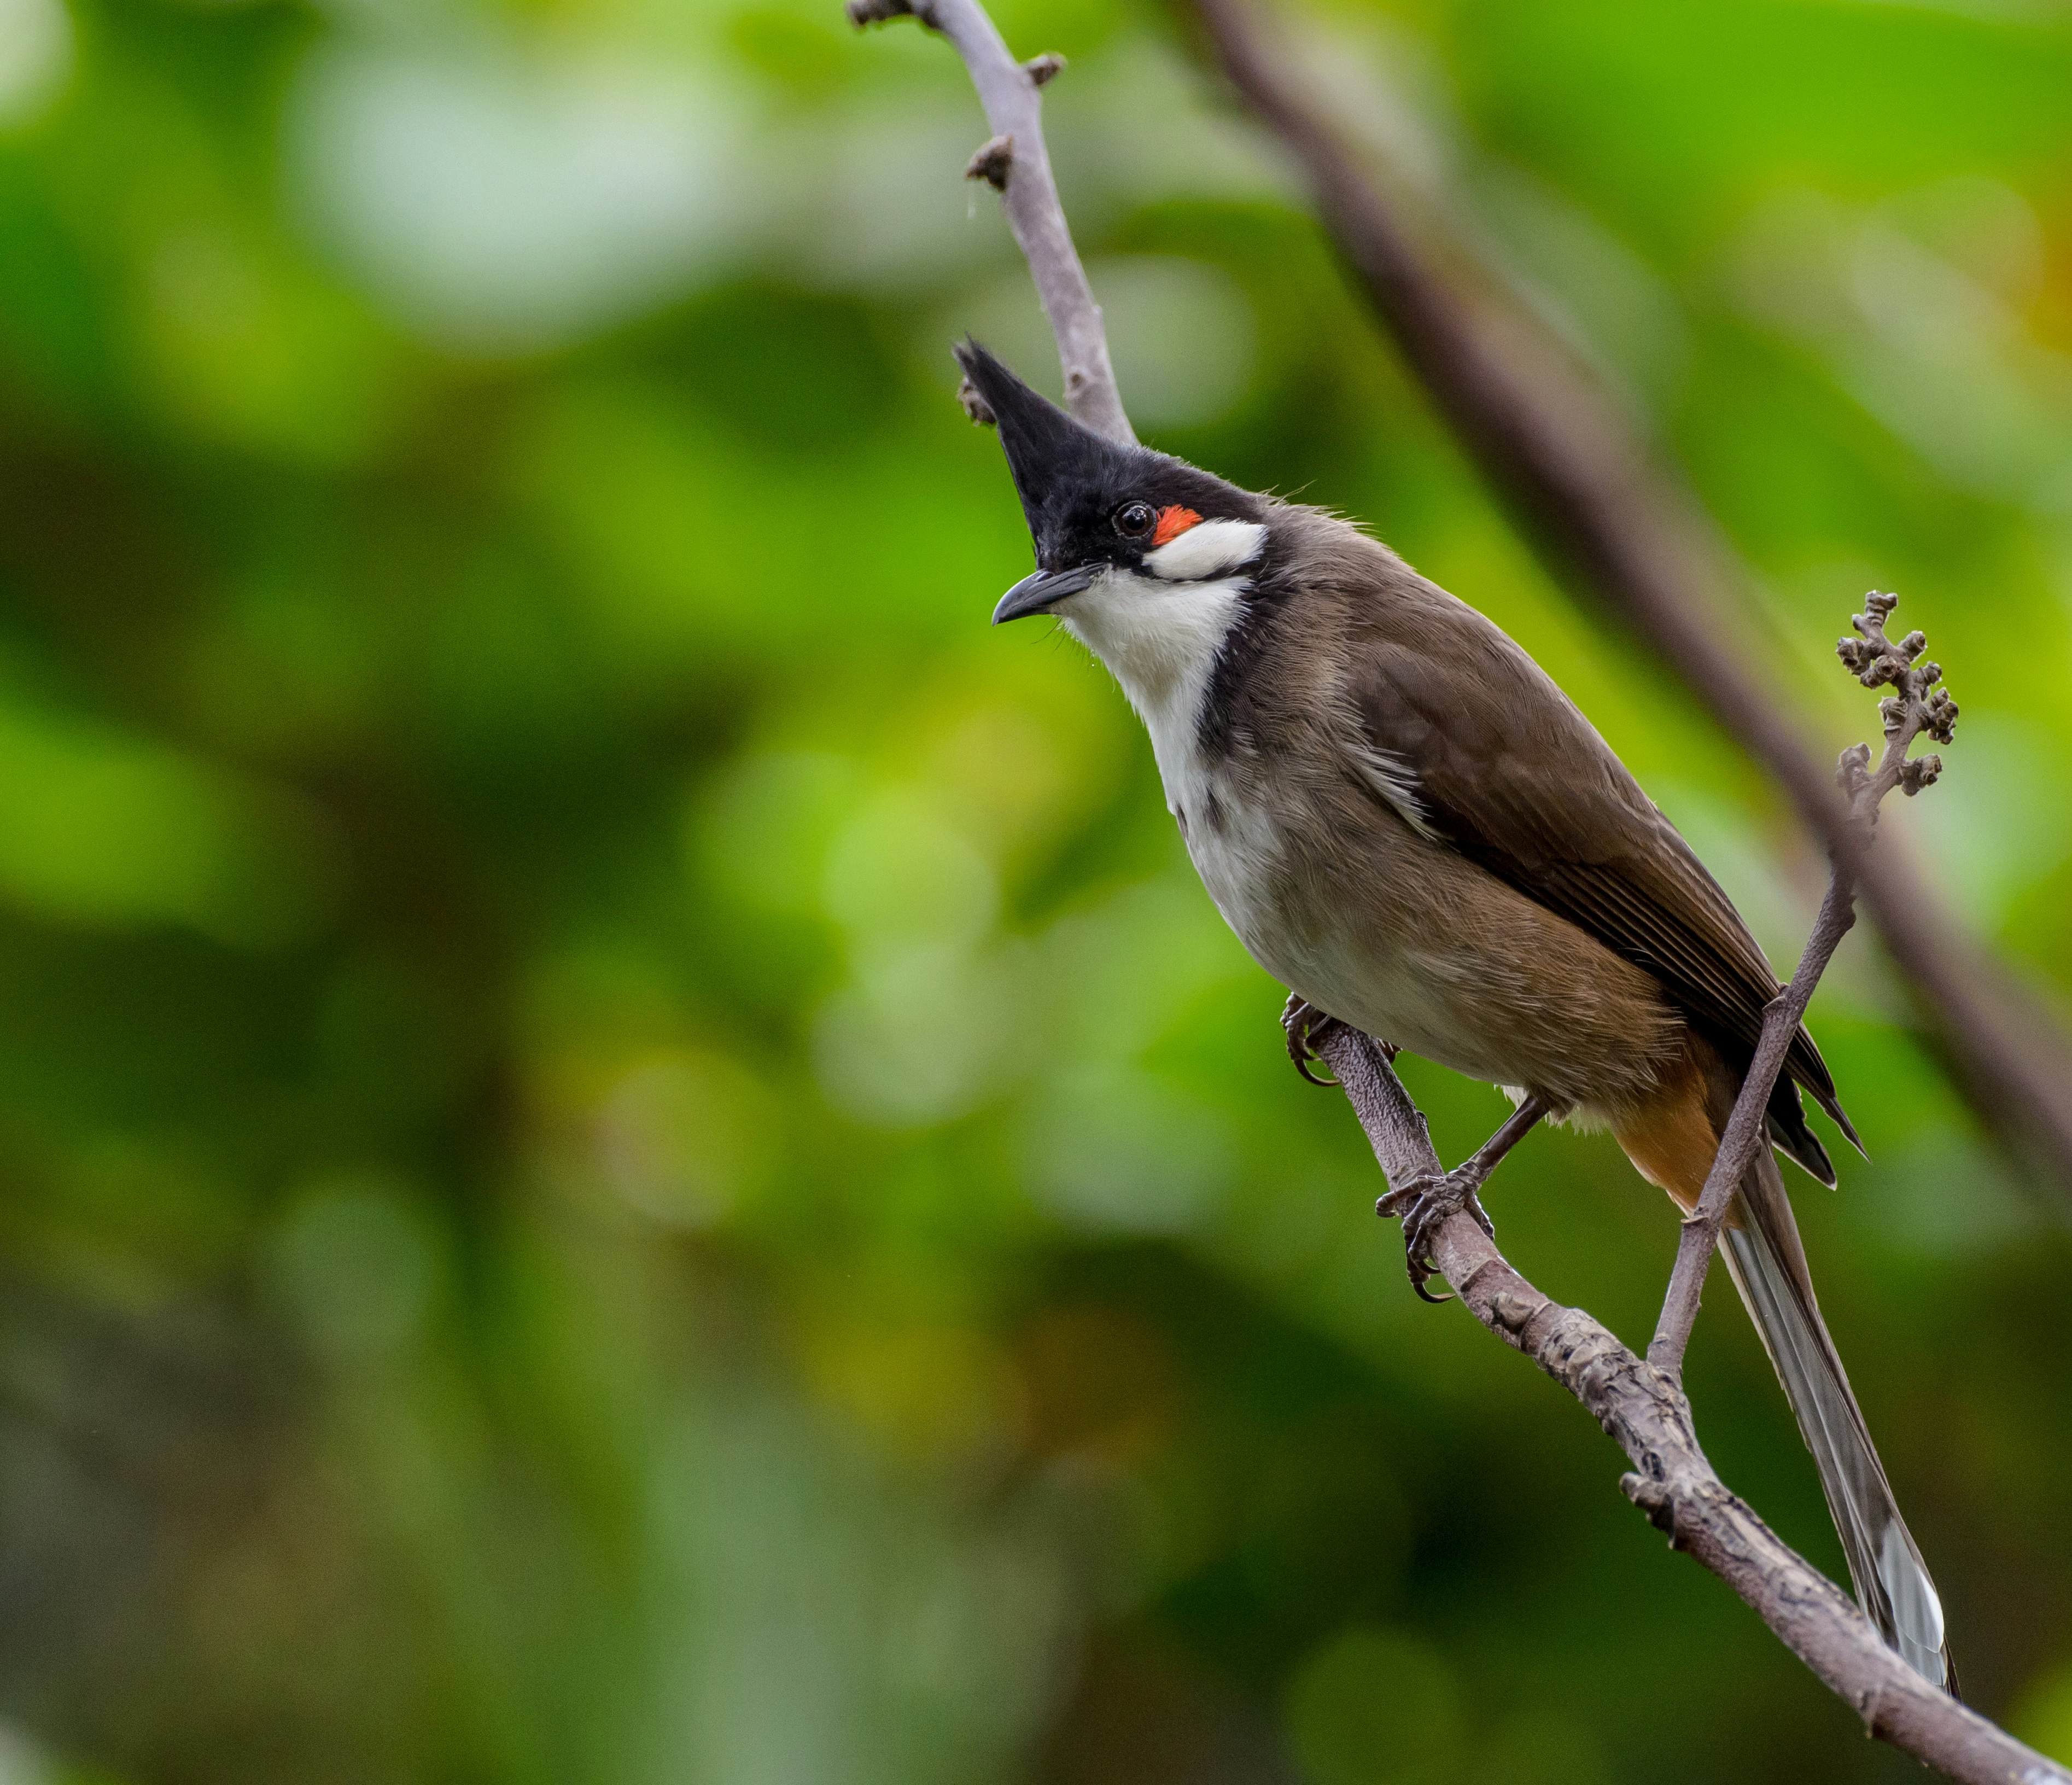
<point x="1306" y="1027"/>
<point x="1425" y="1204"/>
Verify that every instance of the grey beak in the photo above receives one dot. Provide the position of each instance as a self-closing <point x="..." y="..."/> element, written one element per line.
<point x="1034" y="594"/>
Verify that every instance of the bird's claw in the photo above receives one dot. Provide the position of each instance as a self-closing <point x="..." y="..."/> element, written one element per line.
<point x="1305" y="1025"/>
<point x="1425" y="1204"/>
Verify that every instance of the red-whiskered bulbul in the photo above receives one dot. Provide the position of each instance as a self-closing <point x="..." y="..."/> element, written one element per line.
<point x="1409" y="825"/>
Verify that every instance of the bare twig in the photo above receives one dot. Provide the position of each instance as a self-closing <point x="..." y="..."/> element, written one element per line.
<point x="1615" y="524"/>
<point x="1644" y="1410"/>
<point x="1918" y="705"/>
<point x="1016" y="163"/>
<point x="1747" y="1129"/>
<point x="1641" y="1406"/>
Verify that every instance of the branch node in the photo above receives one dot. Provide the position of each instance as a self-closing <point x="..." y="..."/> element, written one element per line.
<point x="991" y="163"/>
<point x="1494" y="1262"/>
<point x="1510" y="1309"/>
<point x="1043" y="69"/>
<point x="976" y="406"/>
<point x="1653" y="1498"/>
<point x="879" y="12"/>
<point x="1869" y="1702"/>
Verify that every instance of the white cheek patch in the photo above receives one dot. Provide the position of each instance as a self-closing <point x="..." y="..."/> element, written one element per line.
<point x="1209" y="549"/>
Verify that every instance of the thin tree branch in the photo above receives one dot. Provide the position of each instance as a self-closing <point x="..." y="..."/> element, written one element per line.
<point x="1747" y="1129"/>
<point x="1614" y="523"/>
<point x="1016" y="164"/>
<point x="1919" y="705"/>
<point x="1644" y="1410"/>
<point x="1641" y="1406"/>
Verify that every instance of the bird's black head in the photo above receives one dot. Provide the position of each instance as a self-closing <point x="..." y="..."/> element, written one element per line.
<point x="1094" y="505"/>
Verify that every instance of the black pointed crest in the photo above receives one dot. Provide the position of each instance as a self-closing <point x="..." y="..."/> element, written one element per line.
<point x="1052" y="457"/>
<point x="1073" y="481"/>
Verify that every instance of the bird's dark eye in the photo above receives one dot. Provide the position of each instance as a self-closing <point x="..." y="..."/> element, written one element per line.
<point x="1134" y="519"/>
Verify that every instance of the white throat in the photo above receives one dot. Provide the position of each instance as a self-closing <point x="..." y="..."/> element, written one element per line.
<point x="1160" y="640"/>
<point x="1160" y="634"/>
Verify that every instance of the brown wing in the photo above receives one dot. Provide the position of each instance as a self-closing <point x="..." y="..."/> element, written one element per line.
<point x="1507" y="770"/>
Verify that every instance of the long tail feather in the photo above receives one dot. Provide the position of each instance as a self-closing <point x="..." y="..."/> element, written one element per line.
<point x="1767" y="1264"/>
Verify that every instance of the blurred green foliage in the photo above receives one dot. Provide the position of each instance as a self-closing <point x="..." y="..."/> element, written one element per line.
<point x="630" y="1150"/>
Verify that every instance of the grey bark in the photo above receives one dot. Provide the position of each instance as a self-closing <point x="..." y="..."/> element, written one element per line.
<point x="1017" y="163"/>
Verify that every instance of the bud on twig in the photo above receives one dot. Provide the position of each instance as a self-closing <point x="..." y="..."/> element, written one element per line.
<point x="878" y="12"/>
<point x="976" y="406"/>
<point x="991" y="163"/>
<point x="1853" y="770"/>
<point x="1919" y="705"/>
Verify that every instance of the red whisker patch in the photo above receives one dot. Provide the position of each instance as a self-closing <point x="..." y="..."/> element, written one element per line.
<point x="1172" y="522"/>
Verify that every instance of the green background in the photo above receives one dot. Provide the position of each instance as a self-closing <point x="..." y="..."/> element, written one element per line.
<point x="627" y="1149"/>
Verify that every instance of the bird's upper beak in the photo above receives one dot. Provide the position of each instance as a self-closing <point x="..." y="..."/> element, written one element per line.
<point x="1038" y="594"/>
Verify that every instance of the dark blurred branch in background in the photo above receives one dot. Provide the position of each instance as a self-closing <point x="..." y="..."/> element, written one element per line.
<point x="1587" y="490"/>
<point x="1621" y="528"/>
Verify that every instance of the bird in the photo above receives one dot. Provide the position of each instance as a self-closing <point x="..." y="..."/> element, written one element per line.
<point x="1410" y="825"/>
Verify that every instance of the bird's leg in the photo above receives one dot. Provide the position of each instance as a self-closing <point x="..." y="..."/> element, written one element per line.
<point x="1305" y="1025"/>
<point x="1426" y="1203"/>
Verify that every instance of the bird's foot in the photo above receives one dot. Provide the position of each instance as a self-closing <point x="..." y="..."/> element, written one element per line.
<point x="1305" y="1025"/>
<point x="1425" y="1204"/>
